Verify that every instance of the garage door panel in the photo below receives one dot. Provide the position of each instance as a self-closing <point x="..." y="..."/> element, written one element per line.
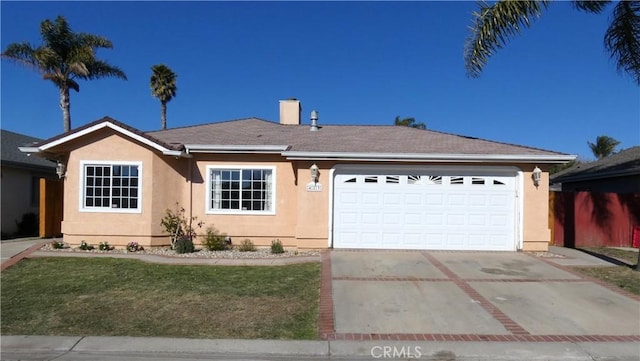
<point x="424" y="211"/>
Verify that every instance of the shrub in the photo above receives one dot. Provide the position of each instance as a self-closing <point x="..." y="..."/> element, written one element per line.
<point x="247" y="246"/>
<point x="276" y="247"/>
<point x="104" y="246"/>
<point x="85" y="246"/>
<point x="184" y="245"/>
<point x="178" y="225"/>
<point x="57" y="244"/>
<point x="215" y="241"/>
<point x="134" y="247"/>
<point x="29" y="225"/>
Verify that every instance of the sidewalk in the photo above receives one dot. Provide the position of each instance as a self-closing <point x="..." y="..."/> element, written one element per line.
<point x="141" y="348"/>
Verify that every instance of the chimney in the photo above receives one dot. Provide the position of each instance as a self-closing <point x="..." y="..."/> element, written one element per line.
<point x="290" y="110"/>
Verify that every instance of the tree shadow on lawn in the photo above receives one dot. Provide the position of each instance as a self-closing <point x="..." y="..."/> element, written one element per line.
<point x="609" y="259"/>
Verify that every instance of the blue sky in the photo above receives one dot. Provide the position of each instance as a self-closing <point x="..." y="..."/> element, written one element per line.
<point x="553" y="87"/>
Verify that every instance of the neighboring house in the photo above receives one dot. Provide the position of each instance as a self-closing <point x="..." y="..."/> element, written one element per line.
<point x="617" y="173"/>
<point x="384" y="187"/>
<point x="20" y="181"/>
<point x="597" y="204"/>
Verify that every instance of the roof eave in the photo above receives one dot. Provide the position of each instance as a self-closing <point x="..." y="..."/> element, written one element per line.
<point x="419" y="157"/>
<point x="101" y="125"/>
<point x="256" y="149"/>
<point x="598" y="175"/>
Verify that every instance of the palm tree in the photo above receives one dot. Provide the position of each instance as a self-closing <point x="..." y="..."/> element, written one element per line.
<point x="603" y="147"/>
<point x="163" y="87"/>
<point x="409" y="122"/>
<point x="64" y="57"/>
<point x="493" y="25"/>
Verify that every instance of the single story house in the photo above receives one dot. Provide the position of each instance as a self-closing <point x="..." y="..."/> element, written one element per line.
<point x="617" y="173"/>
<point x="311" y="186"/>
<point x="20" y="185"/>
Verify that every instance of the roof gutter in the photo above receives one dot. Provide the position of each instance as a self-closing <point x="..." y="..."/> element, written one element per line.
<point x="262" y="149"/>
<point x="418" y="157"/>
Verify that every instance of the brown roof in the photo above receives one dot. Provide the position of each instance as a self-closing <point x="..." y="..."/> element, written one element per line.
<point x="339" y="138"/>
<point x="115" y="122"/>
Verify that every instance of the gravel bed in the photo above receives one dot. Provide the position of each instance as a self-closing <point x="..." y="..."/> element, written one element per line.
<point x="199" y="253"/>
<point x="547" y="255"/>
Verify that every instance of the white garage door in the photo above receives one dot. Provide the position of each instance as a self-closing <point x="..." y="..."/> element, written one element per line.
<point x="439" y="209"/>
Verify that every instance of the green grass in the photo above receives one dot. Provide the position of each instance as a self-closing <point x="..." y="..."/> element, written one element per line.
<point x="622" y="276"/>
<point x="108" y="296"/>
<point x="629" y="257"/>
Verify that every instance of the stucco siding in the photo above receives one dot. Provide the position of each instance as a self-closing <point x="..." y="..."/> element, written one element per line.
<point x="113" y="226"/>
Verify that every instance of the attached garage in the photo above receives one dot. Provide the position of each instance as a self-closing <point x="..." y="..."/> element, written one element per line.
<point x="431" y="208"/>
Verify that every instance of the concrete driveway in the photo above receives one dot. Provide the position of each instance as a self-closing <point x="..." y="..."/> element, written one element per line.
<point x="469" y="296"/>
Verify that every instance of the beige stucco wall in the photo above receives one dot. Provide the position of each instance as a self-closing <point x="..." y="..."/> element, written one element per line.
<point x="536" y="232"/>
<point x="301" y="218"/>
<point x="160" y="185"/>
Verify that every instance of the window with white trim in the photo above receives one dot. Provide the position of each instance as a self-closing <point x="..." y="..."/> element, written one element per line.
<point x="240" y="190"/>
<point x="111" y="187"/>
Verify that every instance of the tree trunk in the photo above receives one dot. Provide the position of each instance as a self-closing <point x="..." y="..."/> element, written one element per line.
<point x="163" y="115"/>
<point x="65" y="105"/>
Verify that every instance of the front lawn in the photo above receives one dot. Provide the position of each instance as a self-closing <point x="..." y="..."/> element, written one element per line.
<point x="108" y="296"/>
<point x="622" y="276"/>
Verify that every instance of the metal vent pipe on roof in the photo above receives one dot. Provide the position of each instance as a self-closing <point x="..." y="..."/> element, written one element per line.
<point x="314" y="121"/>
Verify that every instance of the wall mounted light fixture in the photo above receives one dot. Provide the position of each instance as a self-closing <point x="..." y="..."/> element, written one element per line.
<point x="315" y="173"/>
<point x="536" y="176"/>
<point x="61" y="170"/>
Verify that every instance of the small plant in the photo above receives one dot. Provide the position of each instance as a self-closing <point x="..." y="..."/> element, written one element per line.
<point x="184" y="245"/>
<point x="215" y="241"/>
<point x="85" y="246"/>
<point x="247" y="246"/>
<point x="57" y="244"/>
<point x="178" y="225"/>
<point x="134" y="247"/>
<point x="105" y="246"/>
<point x="276" y="247"/>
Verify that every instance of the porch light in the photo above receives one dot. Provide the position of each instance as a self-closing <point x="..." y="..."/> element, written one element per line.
<point x="315" y="173"/>
<point x="536" y="176"/>
<point x="61" y="170"/>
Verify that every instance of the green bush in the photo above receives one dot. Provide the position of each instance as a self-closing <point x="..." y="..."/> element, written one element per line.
<point x="247" y="246"/>
<point x="57" y="244"/>
<point x="104" y="246"/>
<point x="276" y="247"/>
<point x="134" y="247"/>
<point x="184" y="245"/>
<point x="215" y="241"/>
<point x="85" y="246"/>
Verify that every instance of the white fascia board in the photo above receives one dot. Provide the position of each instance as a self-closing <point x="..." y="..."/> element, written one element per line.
<point x="208" y="148"/>
<point x="107" y="124"/>
<point x="417" y="157"/>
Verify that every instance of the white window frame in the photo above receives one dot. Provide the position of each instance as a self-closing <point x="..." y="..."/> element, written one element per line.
<point x="82" y="190"/>
<point x="209" y="210"/>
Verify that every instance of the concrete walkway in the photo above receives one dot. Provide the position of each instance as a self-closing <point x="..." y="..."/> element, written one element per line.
<point x="142" y="349"/>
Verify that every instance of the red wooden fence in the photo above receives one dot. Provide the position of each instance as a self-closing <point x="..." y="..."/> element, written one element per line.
<point x="591" y="219"/>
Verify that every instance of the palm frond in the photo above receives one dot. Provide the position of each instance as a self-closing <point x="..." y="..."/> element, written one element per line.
<point x="591" y="6"/>
<point x="622" y="38"/>
<point x="22" y="53"/>
<point x="102" y="69"/>
<point x="493" y="26"/>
